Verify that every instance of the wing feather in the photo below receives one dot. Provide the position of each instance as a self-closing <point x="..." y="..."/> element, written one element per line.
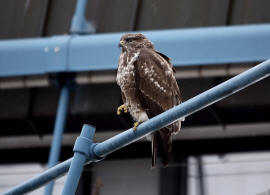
<point x="158" y="91"/>
<point x="156" y="82"/>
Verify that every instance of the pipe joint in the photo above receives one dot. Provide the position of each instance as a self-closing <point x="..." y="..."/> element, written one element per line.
<point x="82" y="145"/>
<point x="92" y="154"/>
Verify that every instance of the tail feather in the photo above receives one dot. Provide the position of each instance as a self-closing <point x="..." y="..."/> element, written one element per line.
<point x="161" y="141"/>
<point x="165" y="146"/>
<point x="154" y="147"/>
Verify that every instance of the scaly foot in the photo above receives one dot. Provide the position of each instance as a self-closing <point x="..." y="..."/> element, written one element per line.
<point x="136" y="124"/>
<point x="122" y="108"/>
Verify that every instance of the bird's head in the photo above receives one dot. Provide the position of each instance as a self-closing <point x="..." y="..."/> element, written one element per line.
<point x="134" y="41"/>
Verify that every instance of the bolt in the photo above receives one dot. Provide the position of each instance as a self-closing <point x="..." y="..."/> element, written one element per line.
<point x="46" y="49"/>
<point x="56" y="49"/>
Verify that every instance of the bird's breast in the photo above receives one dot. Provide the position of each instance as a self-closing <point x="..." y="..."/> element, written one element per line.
<point x="126" y="71"/>
<point x="126" y="76"/>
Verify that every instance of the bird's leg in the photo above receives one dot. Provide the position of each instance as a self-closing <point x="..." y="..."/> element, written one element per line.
<point x="121" y="109"/>
<point x="142" y="117"/>
<point x="135" y="125"/>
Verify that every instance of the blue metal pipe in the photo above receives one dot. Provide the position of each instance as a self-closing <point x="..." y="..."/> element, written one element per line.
<point x="80" y="7"/>
<point x="188" y="107"/>
<point x="39" y="180"/>
<point x="79" y="23"/>
<point x="58" y="131"/>
<point x="81" y="151"/>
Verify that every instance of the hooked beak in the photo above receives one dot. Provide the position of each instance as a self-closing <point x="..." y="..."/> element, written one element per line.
<point x="121" y="43"/>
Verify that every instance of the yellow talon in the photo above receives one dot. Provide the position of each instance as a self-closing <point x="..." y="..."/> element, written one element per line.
<point x="122" y="108"/>
<point x="136" y="125"/>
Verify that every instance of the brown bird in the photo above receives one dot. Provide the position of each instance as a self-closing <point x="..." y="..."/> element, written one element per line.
<point x="148" y="87"/>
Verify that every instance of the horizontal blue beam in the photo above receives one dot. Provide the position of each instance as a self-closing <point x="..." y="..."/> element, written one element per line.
<point x="33" y="56"/>
<point x="186" y="47"/>
<point x="185" y="109"/>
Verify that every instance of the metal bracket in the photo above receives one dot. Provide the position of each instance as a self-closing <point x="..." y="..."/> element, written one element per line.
<point x="82" y="145"/>
<point x="92" y="155"/>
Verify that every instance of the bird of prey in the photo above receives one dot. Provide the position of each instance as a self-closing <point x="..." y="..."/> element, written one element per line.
<point x="148" y="87"/>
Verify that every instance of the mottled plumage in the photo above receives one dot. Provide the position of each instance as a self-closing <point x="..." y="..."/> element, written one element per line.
<point x="148" y="86"/>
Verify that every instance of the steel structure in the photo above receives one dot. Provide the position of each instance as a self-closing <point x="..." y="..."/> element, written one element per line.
<point x="76" y="52"/>
<point x="87" y="151"/>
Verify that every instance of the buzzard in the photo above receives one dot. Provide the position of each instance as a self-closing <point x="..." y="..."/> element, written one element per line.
<point x="148" y="87"/>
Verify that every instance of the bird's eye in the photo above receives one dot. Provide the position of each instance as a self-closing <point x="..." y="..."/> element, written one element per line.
<point x="128" y="40"/>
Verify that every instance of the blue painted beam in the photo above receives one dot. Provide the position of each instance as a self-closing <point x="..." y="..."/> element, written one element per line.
<point x="185" y="109"/>
<point x="186" y="47"/>
<point x="33" y="56"/>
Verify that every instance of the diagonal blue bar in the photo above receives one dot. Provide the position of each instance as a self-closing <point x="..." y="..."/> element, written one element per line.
<point x="192" y="105"/>
<point x="39" y="180"/>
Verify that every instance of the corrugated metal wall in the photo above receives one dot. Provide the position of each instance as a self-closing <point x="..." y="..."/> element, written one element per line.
<point x="35" y="18"/>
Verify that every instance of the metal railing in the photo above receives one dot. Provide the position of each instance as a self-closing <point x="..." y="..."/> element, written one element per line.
<point x="85" y="151"/>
